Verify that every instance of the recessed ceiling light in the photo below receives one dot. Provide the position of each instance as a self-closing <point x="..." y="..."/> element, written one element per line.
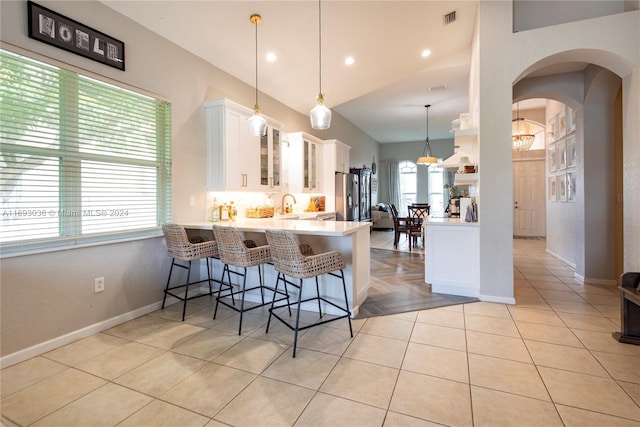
<point x="271" y="57"/>
<point x="426" y="53"/>
<point x="349" y="60"/>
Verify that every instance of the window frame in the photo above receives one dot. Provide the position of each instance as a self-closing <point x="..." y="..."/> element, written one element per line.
<point x="161" y="164"/>
<point x="405" y="201"/>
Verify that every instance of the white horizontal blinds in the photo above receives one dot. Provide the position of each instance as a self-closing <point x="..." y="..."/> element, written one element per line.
<point x="85" y="158"/>
<point x="30" y="150"/>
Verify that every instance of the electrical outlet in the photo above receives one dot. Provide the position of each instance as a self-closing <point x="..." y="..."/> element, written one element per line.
<point x="98" y="284"/>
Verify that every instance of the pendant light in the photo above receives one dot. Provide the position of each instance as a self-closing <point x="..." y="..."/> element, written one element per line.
<point x="520" y="134"/>
<point x="320" y="115"/>
<point x="257" y="123"/>
<point x="427" y="158"/>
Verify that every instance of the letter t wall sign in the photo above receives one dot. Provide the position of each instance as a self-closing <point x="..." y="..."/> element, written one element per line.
<point x="52" y="28"/>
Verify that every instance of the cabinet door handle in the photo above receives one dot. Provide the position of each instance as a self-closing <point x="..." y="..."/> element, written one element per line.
<point x="244" y="179"/>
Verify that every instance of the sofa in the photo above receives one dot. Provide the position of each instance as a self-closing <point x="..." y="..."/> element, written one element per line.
<point x="381" y="217"/>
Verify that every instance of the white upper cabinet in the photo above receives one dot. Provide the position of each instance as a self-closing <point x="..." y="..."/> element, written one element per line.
<point x="336" y="156"/>
<point x="305" y="163"/>
<point x="236" y="160"/>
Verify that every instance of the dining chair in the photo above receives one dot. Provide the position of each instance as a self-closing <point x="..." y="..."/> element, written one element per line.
<point x="400" y="225"/>
<point x="417" y="215"/>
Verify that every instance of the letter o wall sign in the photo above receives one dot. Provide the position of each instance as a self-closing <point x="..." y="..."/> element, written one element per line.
<point x="56" y="30"/>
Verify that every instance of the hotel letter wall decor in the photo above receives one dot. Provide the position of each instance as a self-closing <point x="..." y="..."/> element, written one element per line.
<point x="49" y="27"/>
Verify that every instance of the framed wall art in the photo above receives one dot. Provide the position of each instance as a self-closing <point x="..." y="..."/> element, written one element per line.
<point x="561" y="154"/>
<point x="571" y="151"/>
<point x="571" y="120"/>
<point x="552" y="189"/>
<point x="551" y="158"/>
<point x="561" y="187"/>
<point x="57" y="30"/>
<point x="571" y="186"/>
<point x="562" y="123"/>
<point x="552" y="131"/>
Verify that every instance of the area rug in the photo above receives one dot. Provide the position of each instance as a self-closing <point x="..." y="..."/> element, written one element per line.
<point x="397" y="286"/>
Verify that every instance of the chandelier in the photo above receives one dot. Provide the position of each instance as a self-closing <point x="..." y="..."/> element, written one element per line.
<point x="521" y="135"/>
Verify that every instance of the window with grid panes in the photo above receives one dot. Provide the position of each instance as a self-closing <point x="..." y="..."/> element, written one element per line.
<point x="408" y="173"/>
<point x="82" y="161"/>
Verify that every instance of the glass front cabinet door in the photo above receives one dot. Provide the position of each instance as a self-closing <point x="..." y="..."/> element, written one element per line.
<point x="270" y="159"/>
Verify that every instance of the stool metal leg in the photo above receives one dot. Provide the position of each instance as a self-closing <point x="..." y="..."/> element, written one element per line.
<point x="173" y="261"/>
<point x="346" y="301"/>
<point x="244" y="285"/>
<point x="295" y="334"/>
<point x="186" y="291"/>
<point x="318" y="292"/>
<point x="224" y="269"/>
<point x="209" y="276"/>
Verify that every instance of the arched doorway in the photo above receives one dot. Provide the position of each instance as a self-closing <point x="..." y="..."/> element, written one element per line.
<point x="585" y="224"/>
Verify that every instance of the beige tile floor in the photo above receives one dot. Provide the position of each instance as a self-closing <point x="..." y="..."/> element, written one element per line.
<point x="549" y="360"/>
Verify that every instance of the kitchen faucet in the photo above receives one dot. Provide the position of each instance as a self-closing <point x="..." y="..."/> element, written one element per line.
<point x="282" y="208"/>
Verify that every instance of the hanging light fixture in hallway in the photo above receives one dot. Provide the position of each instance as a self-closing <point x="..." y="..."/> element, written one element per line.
<point x="257" y="123"/>
<point x="520" y="134"/>
<point x="427" y="158"/>
<point x="320" y="115"/>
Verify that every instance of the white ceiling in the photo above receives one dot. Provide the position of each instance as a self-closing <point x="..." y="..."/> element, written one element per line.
<point x="383" y="93"/>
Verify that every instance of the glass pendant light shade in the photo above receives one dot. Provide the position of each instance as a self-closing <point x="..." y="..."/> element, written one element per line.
<point x="257" y="123"/>
<point x="427" y="158"/>
<point x="320" y="115"/>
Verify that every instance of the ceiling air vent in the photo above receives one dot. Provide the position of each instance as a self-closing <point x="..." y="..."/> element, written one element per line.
<point x="449" y="17"/>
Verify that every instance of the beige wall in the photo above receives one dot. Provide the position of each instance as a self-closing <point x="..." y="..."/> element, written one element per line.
<point x="49" y="295"/>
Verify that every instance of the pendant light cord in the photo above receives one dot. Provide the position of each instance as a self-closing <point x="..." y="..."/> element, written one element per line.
<point x="320" y="43"/>
<point x="427" y="147"/>
<point x="256" y="24"/>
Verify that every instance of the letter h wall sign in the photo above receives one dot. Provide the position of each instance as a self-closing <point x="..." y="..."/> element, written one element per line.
<point x="52" y="28"/>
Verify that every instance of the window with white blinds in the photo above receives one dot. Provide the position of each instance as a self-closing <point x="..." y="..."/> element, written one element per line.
<point x="82" y="161"/>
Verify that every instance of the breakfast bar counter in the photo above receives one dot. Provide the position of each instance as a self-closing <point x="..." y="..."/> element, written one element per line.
<point x="350" y="238"/>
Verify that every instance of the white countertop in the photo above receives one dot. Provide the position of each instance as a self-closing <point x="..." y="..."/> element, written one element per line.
<point x="446" y="220"/>
<point x="307" y="227"/>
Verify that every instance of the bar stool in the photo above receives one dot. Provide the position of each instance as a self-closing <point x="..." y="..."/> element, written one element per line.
<point x="180" y="248"/>
<point x="235" y="252"/>
<point x="299" y="262"/>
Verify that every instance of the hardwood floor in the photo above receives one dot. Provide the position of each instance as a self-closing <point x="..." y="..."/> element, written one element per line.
<point x="397" y="280"/>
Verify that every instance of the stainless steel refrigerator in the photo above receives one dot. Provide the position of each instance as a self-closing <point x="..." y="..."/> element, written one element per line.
<point x="364" y="192"/>
<point x="347" y="197"/>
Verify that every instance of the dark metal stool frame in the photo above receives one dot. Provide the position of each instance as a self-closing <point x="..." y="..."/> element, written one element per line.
<point x="299" y="262"/>
<point x="236" y="252"/>
<point x="180" y="248"/>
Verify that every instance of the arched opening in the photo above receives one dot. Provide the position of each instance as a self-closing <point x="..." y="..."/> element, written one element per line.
<point x="583" y="176"/>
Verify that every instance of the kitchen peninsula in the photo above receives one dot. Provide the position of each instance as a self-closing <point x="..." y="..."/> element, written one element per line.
<point x="350" y="238"/>
<point x="452" y="256"/>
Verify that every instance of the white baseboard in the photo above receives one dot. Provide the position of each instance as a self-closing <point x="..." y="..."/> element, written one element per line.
<point x="566" y="261"/>
<point x="52" y="344"/>
<point x="608" y="282"/>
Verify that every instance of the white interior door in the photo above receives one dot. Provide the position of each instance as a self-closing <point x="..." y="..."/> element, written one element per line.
<point x="529" y="210"/>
